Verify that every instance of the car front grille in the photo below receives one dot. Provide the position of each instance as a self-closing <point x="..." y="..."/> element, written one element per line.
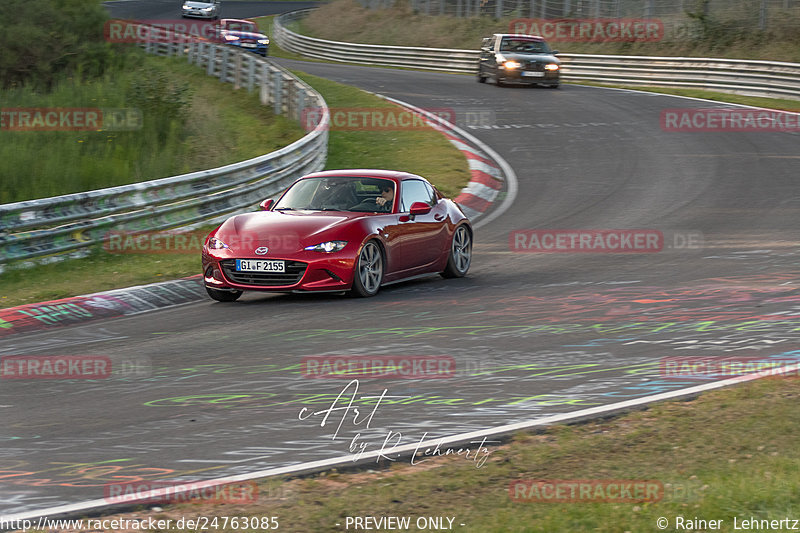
<point x="294" y="272"/>
<point x="534" y="66"/>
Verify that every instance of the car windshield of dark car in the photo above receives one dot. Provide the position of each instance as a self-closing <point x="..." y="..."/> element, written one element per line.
<point x="524" y="46"/>
<point x="356" y="194"/>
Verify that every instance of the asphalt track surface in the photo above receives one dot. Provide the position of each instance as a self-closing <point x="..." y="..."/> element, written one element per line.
<point x="219" y="391"/>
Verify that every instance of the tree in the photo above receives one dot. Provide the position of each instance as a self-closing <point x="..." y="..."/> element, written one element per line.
<point x="44" y="39"/>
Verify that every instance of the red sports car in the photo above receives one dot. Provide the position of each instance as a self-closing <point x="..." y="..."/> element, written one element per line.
<point x="339" y="230"/>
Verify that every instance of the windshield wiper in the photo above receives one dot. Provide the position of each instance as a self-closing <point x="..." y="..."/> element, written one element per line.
<point x="284" y="209"/>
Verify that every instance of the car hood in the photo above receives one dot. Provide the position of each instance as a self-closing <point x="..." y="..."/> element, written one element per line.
<point x="283" y="232"/>
<point x="198" y="4"/>
<point x="541" y="58"/>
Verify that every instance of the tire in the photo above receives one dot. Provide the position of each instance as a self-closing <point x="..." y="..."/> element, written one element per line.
<point x="460" y="254"/>
<point x="368" y="273"/>
<point x="554" y="86"/>
<point x="481" y="77"/>
<point x="223" y="296"/>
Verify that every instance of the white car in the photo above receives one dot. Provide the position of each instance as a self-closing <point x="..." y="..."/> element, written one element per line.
<point x="205" y="9"/>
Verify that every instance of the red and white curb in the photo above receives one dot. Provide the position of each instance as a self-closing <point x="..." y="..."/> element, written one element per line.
<point x="491" y="174"/>
<point x="78" y="310"/>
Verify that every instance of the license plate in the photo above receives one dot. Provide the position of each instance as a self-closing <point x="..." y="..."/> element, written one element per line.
<point x="259" y="265"/>
<point x="248" y="45"/>
<point x="533" y="74"/>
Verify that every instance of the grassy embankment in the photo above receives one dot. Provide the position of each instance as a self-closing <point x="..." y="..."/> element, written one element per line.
<point x="734" y="36"/>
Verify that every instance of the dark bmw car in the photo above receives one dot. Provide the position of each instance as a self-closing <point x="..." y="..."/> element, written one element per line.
<point x="337" y="231"/>
<point x="522" y="59"/>
<point x="243" y="34"/>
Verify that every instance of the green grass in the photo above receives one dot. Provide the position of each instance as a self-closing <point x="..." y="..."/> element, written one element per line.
<point x="214" y="129"/>
<point x="718" y="457"/>
<point x="423" y="152"/>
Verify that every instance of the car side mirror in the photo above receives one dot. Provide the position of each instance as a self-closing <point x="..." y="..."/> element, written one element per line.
<point x="554" y="52"/>
<point x="266" y="204"/>
<point x="419" y="208"/>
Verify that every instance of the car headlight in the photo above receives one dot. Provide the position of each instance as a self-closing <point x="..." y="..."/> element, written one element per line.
<point x="216" y="244"/>
<point x="186" y="7"/>
<point x="551" y="66"/>
<point x="263" y="41"/>
<point x="511" y="65"/>
<point x="231" y="38"/>
<point x="328" y="247"/>
<point x="207" y="9"/>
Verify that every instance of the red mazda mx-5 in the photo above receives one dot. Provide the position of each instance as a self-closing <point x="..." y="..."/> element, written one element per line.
<point x="340" y="230"/>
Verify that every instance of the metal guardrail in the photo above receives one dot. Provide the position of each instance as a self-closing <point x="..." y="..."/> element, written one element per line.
<point x="50" y="228"/>
<point x="754" y="78"/>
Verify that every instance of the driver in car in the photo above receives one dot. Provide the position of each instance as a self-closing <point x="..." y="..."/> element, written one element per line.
<point x="381" y="204"/>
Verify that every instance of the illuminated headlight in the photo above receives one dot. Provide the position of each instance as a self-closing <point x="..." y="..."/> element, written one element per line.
<point x="330" y="246"/>
<point x="263" y="41"/>
<point x="551" y="66"/>
<point x="207" y="9"/>
<point x="216" y="244"/>
<point x="231" y="38"/>
<point x="187" y="8"/>
<point x="511" y="65"/>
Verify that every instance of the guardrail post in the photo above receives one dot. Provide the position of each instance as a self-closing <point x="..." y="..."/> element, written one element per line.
<point x="251" y="74"/>
<point x="237" y="72"/>
<point x="301" y="103"/>
<point x="277" y="92"/>
<point x="264" y="84"/>
<point x="223" y="67"/>
<point x="498" y="9"/>
<point x="210" y="57"/>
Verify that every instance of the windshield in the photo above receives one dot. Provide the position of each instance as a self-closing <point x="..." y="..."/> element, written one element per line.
<point x="241" y="26"/>
<point x="356" y="194"/>
<point x="524" y="46"/>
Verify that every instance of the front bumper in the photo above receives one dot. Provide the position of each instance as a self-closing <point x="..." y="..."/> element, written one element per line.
<point x="198" y="14"/>
<point x="260" y="49"/>
<point x="524" y="76"/>
<point x="307" y="271"/>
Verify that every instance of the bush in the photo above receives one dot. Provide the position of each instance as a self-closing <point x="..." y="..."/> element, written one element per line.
<point x="43" y="40"/>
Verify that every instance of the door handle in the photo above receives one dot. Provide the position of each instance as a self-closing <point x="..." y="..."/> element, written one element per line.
<point x="438" y="218"/>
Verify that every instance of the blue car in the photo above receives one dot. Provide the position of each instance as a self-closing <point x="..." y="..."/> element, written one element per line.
<point x="244" y="34"/>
